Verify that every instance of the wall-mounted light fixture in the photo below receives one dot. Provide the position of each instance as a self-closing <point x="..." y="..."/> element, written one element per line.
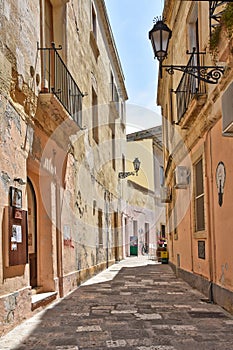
<point x="160" y="35"/>
<point x="20" y="181"/>
<point x="136" y="165"/>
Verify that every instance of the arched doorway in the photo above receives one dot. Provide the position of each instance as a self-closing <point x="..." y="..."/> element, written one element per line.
<point x="32" y="233"/>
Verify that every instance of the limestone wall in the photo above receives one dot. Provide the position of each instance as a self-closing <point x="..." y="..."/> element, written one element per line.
<point x="74" y="178"/>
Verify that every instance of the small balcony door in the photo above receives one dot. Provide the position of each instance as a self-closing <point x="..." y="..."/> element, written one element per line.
<point x="47" y="39"/>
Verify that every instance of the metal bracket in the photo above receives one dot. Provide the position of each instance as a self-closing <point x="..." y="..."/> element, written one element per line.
<point x="208" y="74"/>
<point x="123" y="175"/>
<point x="53" y="47"/>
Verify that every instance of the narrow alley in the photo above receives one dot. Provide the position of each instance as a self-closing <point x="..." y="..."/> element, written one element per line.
<point x="135" y="304"/>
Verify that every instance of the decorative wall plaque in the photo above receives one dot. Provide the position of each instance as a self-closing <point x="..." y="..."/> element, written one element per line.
<point x="220" y="181"/>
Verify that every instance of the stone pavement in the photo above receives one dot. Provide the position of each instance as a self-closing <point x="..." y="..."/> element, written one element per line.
<point x="136" y="304"/>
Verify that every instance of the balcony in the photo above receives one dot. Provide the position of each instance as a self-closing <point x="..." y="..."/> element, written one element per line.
<point x="59" y="92"/>
<point x="216" y="8"/>
<point x="191" y="91"/>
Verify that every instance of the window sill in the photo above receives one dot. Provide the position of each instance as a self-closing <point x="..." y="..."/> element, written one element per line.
<point x="200" y="235"/>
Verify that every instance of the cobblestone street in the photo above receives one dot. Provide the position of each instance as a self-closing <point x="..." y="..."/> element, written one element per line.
<point x="136" y="304"/>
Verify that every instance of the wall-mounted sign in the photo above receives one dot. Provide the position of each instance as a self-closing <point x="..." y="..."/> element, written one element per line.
<point x="16" y="242"/>
<point x="15" y="197"/>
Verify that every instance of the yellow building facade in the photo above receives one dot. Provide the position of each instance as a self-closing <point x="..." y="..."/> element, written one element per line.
<point x="197" y="130"/>
<point x="143" y="214"/>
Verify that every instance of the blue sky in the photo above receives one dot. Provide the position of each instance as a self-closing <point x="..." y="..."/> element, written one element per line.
<point x="131" y="21"/>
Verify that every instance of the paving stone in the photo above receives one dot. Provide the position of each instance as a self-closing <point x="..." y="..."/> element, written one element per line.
<point x="131" y="311"/>
<point x="92" y="328"/>
<point x="156" y="347"/>
<point x="116" y="343"/>
<point x="144" y="307"/>
<point x="148" y="316"/>
<point x="67" y="347"/>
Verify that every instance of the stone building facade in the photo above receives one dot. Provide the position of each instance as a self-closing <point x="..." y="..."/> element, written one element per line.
<point x="62" y="137"/>
<point x="197" y="127"/>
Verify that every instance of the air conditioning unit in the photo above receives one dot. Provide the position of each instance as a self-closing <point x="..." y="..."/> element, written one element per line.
<point x="165" y="195"/>
<point x="227" y="114"/>
<point x="181" y="177"/>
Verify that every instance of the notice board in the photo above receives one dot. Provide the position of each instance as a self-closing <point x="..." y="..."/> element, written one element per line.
<point x="17" y="237"/>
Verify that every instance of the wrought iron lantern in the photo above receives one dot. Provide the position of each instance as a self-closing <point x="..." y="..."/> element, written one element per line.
<point x="160" y="35"/>
<point x="136" y="165"/>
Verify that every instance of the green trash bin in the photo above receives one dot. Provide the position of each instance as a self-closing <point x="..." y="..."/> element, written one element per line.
<point x="133" y="250"/>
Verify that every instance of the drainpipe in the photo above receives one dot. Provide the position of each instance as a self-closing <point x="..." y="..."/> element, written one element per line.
<point x="59" y="241"/>
<point x="59" y="238"/>
<point x="210" y="214"/>
<point x="191" y="228"/>
<point x="106" y="199"/>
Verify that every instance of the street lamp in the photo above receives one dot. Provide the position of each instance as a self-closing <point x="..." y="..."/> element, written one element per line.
<point x="160" y="35"/>
<point x="136" y="165"/>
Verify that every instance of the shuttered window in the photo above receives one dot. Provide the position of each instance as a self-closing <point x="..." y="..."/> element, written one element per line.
<point x="100" y="226"/>
<point x="199" y="197"/>
<point x="95" y="121"/>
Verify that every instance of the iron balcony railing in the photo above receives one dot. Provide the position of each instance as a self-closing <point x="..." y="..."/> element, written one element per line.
<point x="216" y="10"/>
<point x="57" y="79"/>
<point x="190" y="85"/>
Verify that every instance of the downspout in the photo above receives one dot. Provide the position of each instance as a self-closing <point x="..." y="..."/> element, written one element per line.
<point x="191" y="228"/>
<point x="106" y="199"/>
<point x="210" y="214"/>
<point x="59" y="240"/>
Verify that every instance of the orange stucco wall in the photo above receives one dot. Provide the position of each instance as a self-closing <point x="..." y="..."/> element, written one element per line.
<point x="222" y="232"/>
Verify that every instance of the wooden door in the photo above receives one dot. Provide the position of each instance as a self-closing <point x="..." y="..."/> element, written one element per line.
<point x="32" y="234"/>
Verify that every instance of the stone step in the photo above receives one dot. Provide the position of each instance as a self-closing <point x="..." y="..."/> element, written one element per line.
<point x="42" y="299"/>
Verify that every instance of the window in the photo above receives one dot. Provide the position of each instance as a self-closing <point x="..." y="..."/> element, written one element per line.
<point x="135" y="228"/>
<point x="93" y="34"/>
<point x="147" y="230"/>
<point x="227" y="107"/>
<point x="111" y="87"/>
<point x="123" y="163"/>
<point x="112" y="126"/>
<point x="194" y="40"/>
<point x="163" y="231"/>
<point x="94" y="22"/>
<point x="199" y="197"/>
<point x="161" y="175"/>
<point x="100" y="226"/>
<point x="122" y="111"/>
<point x="114" y="92"/>
<point x="193" y="29"/>
<point x="47" y="39"/>
<point x="95" y="130"/>
<point x="48" y="15"/>
<point x="114" y="95"/>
